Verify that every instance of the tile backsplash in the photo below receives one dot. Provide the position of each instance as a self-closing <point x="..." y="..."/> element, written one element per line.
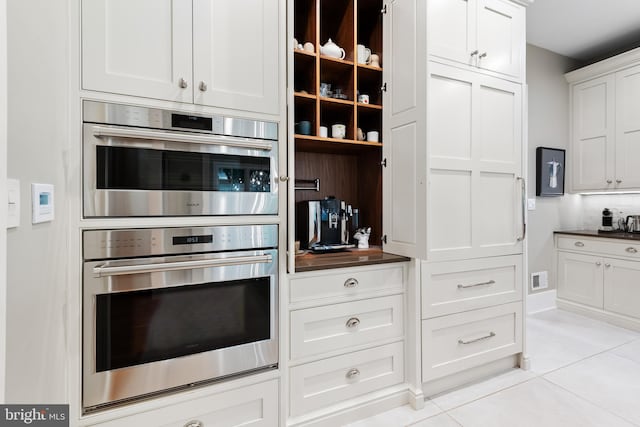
<point x="620" y="204"/>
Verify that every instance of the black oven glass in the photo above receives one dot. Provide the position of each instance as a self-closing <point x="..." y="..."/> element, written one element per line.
<point x="123" y="168"/>
<point x="159" y="324"/>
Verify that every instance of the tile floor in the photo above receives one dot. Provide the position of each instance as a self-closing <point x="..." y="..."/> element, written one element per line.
<point x="583" y="373"/>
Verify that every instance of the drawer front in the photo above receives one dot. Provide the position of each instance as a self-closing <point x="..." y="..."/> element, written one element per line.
<point x="454" y="287"/>
<point x="461" y="341"/>
<point x="254" y="406"/>
<point x="329" y="381"/>
<point x="620" y="248"/>
<point x="346" y="284"/>
<point x="323" y="329"/>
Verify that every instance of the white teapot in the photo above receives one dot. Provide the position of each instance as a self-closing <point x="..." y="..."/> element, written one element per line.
<point x="333" y="50"/>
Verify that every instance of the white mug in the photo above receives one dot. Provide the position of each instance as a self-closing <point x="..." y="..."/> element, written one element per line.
<point x="308" y="46"/>
<point x="373" y="136"/>
<point x="363" y="99"/>
<point x="338" y="131"/>
<point x="323" y="133"/>
<point x="364" y="54"/>
<point x="375" y="60"/>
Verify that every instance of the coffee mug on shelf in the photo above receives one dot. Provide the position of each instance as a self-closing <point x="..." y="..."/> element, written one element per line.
<point x="308" y="46"/>
<point x="324" y="132"/>
<point x="363" y="99"/>
<point x="375" y="60"/>
<point x="338" y="131"/>
<point x="373" y="136"/>
<point x="303" y="127"/>
<point x="364" y="54"/>
<point x="360" y="134"/>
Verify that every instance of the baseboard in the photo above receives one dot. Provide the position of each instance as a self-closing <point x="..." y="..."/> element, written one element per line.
<point x="605" y="316"/>
<point x="541" y="301"/>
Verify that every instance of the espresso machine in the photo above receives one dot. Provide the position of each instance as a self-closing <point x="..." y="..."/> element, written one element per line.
<point x="324" y="225"/>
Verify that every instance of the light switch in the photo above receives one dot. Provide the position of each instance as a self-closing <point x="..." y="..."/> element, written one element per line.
<point x="531" y="204"/>
<point x="42" y="203"/>
<point x="13" y="207"/>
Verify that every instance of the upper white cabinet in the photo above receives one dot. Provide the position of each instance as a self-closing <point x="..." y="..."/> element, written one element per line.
<point x="220" y="53"/>
<point x="605" y="100"/>
<point x="489" y="34"/>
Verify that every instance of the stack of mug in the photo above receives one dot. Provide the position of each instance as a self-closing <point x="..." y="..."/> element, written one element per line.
<point x="366" y="57"/>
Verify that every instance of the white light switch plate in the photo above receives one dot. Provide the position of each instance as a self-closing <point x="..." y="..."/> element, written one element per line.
<point x="531" y="204"/>
<point x="13" y="206"/>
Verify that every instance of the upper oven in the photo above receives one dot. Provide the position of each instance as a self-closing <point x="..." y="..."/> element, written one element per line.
<point x="150" y="162"/>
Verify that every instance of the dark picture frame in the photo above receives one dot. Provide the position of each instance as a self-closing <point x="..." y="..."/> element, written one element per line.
<point x="550" y="171"/>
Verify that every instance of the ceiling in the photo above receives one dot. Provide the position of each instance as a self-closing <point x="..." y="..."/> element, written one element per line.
<point x="585" y="30"/>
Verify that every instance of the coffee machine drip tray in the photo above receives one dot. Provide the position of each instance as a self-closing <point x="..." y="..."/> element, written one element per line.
<point x="320" y="248"/>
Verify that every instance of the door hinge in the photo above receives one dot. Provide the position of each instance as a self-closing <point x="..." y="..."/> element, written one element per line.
<point x="384" y="239"/>
<point x="383" y="163"/>
<point x="384" y="87"/>
<point x="384" y="10"/>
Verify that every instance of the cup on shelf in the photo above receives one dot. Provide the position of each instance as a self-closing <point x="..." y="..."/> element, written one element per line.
<point x="323" y="132"/>
<point x="373" y="136"/>
<point x="364" y="99"/>
<point x="325" y="88"/>
<point x="364" y="54"/>
<point x="360" y="134"/>
<point x="295" y="43"/>
<point x="338" y="131"/>
<point x="375" y="60"/>
<point x="308" y="46"/>
<point x="303" y="127"/>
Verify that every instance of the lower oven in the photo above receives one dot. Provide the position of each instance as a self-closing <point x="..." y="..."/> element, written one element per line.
<point x="169" y="308"/>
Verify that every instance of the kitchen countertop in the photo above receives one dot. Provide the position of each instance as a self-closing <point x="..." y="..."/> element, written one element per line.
<point x="349" y="258"/>
<point x="602" y="234"/>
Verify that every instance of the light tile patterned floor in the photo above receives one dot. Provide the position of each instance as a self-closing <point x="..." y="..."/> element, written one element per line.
<point x="583" y="373"/>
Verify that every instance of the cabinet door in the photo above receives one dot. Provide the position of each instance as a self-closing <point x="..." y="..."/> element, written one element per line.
<point x="580" y="278"/>
<point x="140" y="48"/>
<point x="237" y="52"/>
<point x="627" y="146"/>
<point x="592" y="147"/>
<point x="452" y="29"/>
<point x="475" y="143"/>
<point x="501" y="37"/>
<point x="622" y="287"/>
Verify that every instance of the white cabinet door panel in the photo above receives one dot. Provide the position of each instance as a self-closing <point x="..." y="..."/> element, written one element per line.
<point x="451" y="219"/>
<point x="141" y="48"/>
<point x="498" y="216"/>
<point x="580" y="278"/>
<point x="237" y="54"/>
<point x="452" y="29"/>
<point x="622" y="287"/>
<point x="451" y="119"/>
<point x="628" y="128"/>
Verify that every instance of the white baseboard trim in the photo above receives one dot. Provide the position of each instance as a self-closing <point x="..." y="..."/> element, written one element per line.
<point x="541" y="301"/>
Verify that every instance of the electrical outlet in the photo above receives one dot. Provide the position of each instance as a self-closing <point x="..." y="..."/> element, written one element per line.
<point x="531" y="204"/>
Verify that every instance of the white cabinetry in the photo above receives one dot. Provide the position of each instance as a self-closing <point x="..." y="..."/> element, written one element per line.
<point x="605" y="101"/>
<point x="219" y="53"/>
<point x="489" y="34"/>
<point x="601" y="277"/>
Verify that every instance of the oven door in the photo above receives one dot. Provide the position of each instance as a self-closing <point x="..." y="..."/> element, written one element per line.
<point x="155" y="324"/>
<point x="131" y="172"/>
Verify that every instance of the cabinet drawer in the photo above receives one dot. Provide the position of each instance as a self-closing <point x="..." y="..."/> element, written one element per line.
<point x="255" y="406"/>
<point x="461" y="341"/>
<point x="346" y="284"/>
<point x="453" y="287"/>
<point x="325" y="382"/>
<point x="323" y="329"/>
<point x="620" y="248"/>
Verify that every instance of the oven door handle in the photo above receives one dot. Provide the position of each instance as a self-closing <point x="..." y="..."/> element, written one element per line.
<point x="112" y="269"/>
<point x="118" y="132"/>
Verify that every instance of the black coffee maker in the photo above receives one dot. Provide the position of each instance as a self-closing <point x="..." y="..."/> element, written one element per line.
<point x="323" y="225"/>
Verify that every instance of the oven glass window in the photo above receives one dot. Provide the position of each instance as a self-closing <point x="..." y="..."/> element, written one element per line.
<point x="123" y="168"/>
<point x="151" y="325"/>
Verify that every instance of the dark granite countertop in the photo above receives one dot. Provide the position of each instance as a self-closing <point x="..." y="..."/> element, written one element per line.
<point x="602" y="234"/>
<point x="349" y="258"/>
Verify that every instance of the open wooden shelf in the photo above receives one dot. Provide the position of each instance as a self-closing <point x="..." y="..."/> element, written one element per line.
<point x="304" y="96"/>
<point x="369" y="106"/>
<point x="303" y="52"/>
<point x="370" y="68"/>
<point x="337" y="101"/>
<point x="337" y="60"/>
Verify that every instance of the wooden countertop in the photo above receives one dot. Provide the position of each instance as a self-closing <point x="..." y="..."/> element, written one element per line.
<point x="602" y="234"/>
<point x="349" y="258"/>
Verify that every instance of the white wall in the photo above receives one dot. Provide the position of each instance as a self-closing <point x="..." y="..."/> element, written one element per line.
<point x="548" y="127"/>
<point x="621" y="204"/>
<point x="37" y="147"/>
<point x="3" y="191"/>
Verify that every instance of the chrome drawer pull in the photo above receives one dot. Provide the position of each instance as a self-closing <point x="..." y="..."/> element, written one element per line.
<point x="598" y="263"/>
<point x="353" y="322"/>
<point x="351" y="283"/>
<point x="632" y="250"/>
<point x="194" y="423"/>
<point x="607" y="265"/>
<point x="352" y="373"/>
<point x="491" y="335"/>
<point x="579" y="244"/>
<point x="490" y="282"/>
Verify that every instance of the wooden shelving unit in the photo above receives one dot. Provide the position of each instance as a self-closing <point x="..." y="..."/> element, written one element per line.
<point x="348" y="168"/>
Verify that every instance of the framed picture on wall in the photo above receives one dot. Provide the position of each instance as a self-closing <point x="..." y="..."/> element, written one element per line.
<point x="550" y="168"/>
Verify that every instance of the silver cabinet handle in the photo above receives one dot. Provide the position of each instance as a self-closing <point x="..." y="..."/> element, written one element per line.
<point x="490" y="282"/>
<point x="284" y="178"/>
<point x="474" y="53"/>
<point x="524" y="207"/>
<point x="183" y="83"/>
<point x="482" y="55"/>
<point x="351" y="283"/>
<point x="598" y="263"/>
<point x="352" y="373"/>
<point x="619" y="181"/>
<point x="353" y="322"/>
<point x="631" y="250"/>
<point x="194" y="423"/>
<point x="486" y="337"/>
<point x="202" y="87"/>
<point x="607" y="265"/>
<point x="609" y="181"/>
<point x="579" y="244"/>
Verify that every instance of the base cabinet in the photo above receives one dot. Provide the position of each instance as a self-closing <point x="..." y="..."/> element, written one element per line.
<point x="580" y="278"/>
<point x="622" y="287"/>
